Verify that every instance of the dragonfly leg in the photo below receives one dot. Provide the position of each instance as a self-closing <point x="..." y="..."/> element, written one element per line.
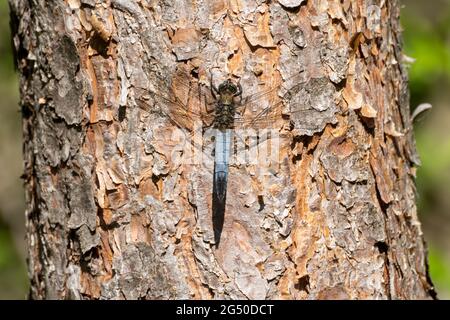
<point x="239" y="92"/>
<point x="214" y="89"/>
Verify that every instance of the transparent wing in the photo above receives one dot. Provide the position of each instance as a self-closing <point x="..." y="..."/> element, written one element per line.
<point x="186" y="101"/>
<point x="182" y="100"/>
<point x="272" y="116"/>
<point x="266" y="109"/>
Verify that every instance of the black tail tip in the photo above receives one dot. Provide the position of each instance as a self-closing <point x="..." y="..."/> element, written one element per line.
<point x="217" y="235"/>
<point x="218" y="217"/>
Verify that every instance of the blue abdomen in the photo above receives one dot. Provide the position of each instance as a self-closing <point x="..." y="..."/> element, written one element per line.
<point x="221" y="162"/>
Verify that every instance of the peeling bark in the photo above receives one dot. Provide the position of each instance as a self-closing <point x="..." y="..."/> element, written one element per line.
<point x="114" y="213"/>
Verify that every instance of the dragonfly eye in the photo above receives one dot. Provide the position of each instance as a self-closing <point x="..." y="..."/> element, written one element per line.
<point x="228" y="86"/>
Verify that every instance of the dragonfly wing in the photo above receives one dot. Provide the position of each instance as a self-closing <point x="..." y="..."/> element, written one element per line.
<point x="308" y="106"/>
<point x="277" y="88"/>
<point x="305" y="119"/>
<point x="185" y="103"/>
<point x="265" y="109"/>
<point x="266" y="115"/>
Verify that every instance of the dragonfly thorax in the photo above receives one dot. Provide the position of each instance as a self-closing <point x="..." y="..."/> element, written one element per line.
<point x="225" y="106"/>
<point x="224" y="116"/>
<point x="227" y="92"/>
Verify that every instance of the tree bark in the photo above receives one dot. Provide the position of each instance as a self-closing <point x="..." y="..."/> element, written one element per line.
<point x="110" y="215"/>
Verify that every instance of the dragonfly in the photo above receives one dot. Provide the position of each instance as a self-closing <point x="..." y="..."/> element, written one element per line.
<point x="182" y="99"/>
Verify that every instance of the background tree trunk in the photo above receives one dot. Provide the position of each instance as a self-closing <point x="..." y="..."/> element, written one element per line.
<point x="110" y="215"/>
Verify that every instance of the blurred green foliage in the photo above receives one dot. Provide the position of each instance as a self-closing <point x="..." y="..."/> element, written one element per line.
<point x="6" y="69"/>
<point x="13" y="278"/>
<point x="439" y="272"/>
<point x="426" y="39"/>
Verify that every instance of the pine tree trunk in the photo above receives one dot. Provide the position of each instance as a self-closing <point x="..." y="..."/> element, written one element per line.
<point x="111" y="215"/>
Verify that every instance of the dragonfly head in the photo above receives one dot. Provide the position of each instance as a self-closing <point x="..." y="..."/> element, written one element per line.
<point x="227" y="91"/>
